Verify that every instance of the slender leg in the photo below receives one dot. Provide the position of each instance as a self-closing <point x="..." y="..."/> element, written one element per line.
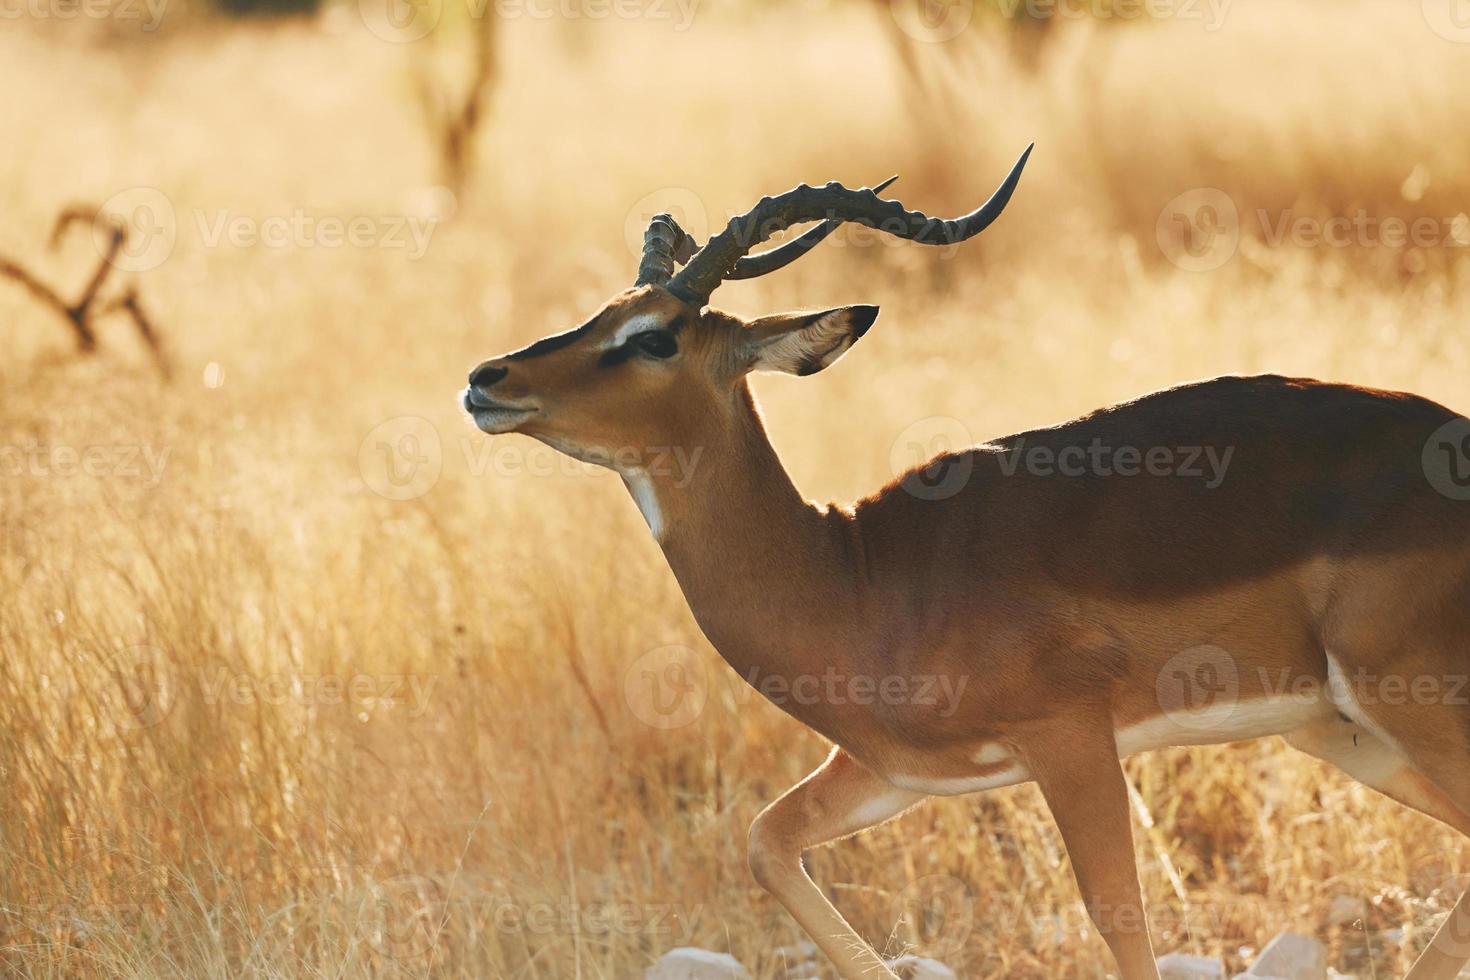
<point x="1080" y="776"/>
<point x="1447" y="765"/>
<point x="1449" y="949"/>
<point x="1427" y="737"/>
<point x="1448" y="772"/>
<point x="838" y="800"/>
<point x="1373" y="762"/>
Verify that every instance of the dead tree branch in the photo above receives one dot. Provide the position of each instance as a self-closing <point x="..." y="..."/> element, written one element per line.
<point x="454" y="117"/>
<point x="82" y="313"/>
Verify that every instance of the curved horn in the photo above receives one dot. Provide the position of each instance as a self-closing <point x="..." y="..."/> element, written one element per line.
<point x="664" y="243"/>
<point x="751" y="266"/>
<point x="718" y="260"/>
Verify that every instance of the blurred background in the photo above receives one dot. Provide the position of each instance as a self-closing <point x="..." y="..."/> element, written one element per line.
<point x="300" y="675"/>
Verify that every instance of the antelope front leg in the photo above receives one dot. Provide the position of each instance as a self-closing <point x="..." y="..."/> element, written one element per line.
<point x="1083" y="782"/>
<point x="839" y="799"/>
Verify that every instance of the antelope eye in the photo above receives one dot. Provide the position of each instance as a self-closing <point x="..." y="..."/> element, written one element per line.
<point x="657" y="343"/>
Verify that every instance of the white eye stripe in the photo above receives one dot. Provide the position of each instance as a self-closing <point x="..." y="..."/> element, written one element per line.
<point x="639" y="324"/>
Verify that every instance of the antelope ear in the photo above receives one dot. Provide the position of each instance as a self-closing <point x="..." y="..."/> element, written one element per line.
<point x="804" y="343"/>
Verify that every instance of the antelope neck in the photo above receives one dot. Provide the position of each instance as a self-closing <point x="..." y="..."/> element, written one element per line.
<point x="759" y="566"/>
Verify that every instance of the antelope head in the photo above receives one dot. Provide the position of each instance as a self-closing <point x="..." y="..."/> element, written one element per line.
<point x="657" y="365"/>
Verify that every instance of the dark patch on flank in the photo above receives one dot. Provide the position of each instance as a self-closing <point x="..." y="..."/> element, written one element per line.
<point x="555" y="342"/>
<point x="1316" y="470"/>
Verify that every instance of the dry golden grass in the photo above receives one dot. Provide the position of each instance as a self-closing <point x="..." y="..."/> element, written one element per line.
<point x="189" y="791"/>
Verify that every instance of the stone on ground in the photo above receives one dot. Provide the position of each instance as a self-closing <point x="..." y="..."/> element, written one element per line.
<point x="920" y="968"/>
<point x="688" y="963"/>
<point x="1290" y="957"/>
<point x="1177" y="966"/>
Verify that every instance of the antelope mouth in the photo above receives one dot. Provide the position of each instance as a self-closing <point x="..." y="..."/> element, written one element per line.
<point x="492" y="416"/>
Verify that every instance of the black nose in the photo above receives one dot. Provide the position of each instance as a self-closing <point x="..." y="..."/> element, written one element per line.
<point x="486" y="375"/>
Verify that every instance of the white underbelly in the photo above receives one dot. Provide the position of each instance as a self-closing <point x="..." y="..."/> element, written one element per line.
<point x="1228" y="721"/>
<point x="1011" y="775"/>
<point x="1224" y="722"/>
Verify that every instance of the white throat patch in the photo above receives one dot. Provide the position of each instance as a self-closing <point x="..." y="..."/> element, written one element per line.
<point x="640" y="485"/>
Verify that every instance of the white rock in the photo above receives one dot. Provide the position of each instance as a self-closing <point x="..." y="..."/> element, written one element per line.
<point x="688" y="963"/>
<point x="1291" y="957"/>
<point x="1177" y="966"/>
<point x="920" y="968"/>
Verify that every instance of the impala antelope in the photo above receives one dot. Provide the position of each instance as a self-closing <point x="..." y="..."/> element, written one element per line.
<point x="1323" y="561"/>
